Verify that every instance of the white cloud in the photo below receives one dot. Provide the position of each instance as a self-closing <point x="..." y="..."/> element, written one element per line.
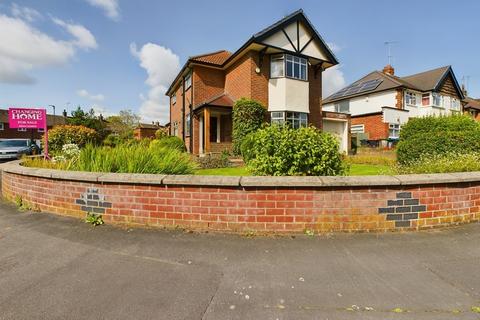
<point x="110" y="7"/>
<point x="334" y="47"/>
<point x="25" y="13"/>
<point x="333" y="80"/>
<point x="162" y="65"/>
<point x="24" y="48"/>
<point x="94" y="97"/>
<point x="83" y="37"/>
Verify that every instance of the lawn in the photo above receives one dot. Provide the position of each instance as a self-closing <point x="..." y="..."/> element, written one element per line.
<point x="355" y="170"/>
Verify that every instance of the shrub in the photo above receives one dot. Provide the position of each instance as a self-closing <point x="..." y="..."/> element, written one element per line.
<point x="442" y="163"/>
<point x="431" y="136"/>
<point x="248" y="116"/>
<point x="160" y="134"/>
<point x="281" y="150"/>
<point x="214" y="161"/>
<point x="170" y="142"/>
<point x="61" y="135"/>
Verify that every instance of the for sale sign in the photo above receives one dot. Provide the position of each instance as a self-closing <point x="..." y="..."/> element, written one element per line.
<point x="27" y="118"/>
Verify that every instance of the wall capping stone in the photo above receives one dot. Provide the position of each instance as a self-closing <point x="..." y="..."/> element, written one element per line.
<point x="246" y="181"/>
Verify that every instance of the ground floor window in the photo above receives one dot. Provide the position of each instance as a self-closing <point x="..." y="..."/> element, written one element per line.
<point x="295" y="119"/>
<point x="175" y="129"/>
<point x="394" y="130"/>
<point x="2" y="126"/>
<point x="187" y="125"/>
<point x="357" y="128"/>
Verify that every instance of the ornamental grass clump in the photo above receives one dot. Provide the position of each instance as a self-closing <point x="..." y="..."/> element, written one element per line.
<point x="283" y="151"/>
<point x="442" y="163"/>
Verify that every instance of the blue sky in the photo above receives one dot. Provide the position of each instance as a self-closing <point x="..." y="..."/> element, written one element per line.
<point x="121" y="54"/>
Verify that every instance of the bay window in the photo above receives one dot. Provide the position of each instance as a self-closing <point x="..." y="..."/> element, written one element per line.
<point x="287" y="65"/>
<point x="295" y="119"/>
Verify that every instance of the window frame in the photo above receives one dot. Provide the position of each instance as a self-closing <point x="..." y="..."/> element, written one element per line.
<point x="396" y="128"/>
<point x="296" y="119"/>
<point x="436" y="96"/>
<point x="174" y="98"/>
<point x="188" y="81"/>
<point x="409" y="97"/>
<point x="2" y="126"/>
<point x="187" y="125"/>
<point x="337" y="106"/>
<point x="362" y="126"/>
<point x="293" y="60"/>
<point x="22" y="129"/>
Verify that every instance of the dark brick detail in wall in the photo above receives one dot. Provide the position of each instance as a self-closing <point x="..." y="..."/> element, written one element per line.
<point x="402" y="210"/>
<point x="93" y="202"/>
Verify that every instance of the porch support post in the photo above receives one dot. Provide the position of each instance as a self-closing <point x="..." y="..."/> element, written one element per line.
<point x="200" y="134"/>
<point x="218" y="128"/>
<point x="207" y="129"/>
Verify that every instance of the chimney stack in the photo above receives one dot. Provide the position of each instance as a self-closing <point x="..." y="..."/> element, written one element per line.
<point x="388" y="69"/>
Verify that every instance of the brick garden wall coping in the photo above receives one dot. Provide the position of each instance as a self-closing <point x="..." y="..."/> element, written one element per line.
<point x="244" y="204"/>
<point x="245" y="181"/>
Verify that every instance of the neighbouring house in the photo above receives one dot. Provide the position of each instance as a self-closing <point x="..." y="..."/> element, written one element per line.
<point x="472" y="107"/>
<point x="381" y="102"/>
<point x="36" y="134"/>
<point x="280" y="66"/>
<point x="146" y="130"/>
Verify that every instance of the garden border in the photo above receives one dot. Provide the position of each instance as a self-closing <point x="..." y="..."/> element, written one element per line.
<point x="241" y="204"/>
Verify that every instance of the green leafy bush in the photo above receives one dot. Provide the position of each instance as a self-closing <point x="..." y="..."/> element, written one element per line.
<point x="437" y="136"/>
<point x="248" y="116"/>
<point x="61" y="135"/>
<point x="170" y="142"/>
<point x="442" y="163"/>
<point x="160" y="134"/>
<point x="283" y="151"/>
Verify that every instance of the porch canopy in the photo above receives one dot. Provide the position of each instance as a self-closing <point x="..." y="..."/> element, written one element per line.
<point x="215" y="124"/>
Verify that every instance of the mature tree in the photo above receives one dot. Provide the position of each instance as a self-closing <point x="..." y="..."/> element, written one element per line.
<point x="88" y="119"/>
<point x="124" y="122"/>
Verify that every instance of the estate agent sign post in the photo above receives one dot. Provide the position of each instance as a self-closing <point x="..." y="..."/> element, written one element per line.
<point x="29" y="119"/>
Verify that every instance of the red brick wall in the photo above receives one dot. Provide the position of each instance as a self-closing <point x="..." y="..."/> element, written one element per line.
<point x="207" y="83"/>
<point x="374" y="126"/>
<point x="8" y="133"/>
<point x="315" y="97"/>
<point x="259" y="90"/>
<point x="238" y="78"/>
<point x="267" y="209"/>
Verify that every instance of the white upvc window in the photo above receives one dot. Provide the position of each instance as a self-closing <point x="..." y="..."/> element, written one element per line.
<point x="455" y="104"/>
<point x="188" y="81"/>
<point x="174" y="98"/>
<point x="277" y="66"/>
<point x="445" y="102"/>
<point x="175" y="129"/>
<point x="187" y="125"/>
<point x="295" y="119"/>
<point x="393" y="130"/>
<point x="342" y="106"/>
<point x="22" y="129"/>
<point x="436" y="99"/>
<point x="2" y="126"/>
<point x="287" y="65"/>
<point x="411" y="98"/>
<point x="357" y="128"/>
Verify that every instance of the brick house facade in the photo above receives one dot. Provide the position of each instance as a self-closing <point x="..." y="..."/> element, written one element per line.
<point x="204" y="92"/>
<point x="381" y="102"/>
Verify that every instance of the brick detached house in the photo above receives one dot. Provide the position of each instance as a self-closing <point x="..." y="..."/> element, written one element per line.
<point x="381" y="102"/>
<point x="280" y="66"/>
<point x="471" y="107"/>
<point x="146" y="130"/>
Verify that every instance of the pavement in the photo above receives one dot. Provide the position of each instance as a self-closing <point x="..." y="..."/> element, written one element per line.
<point x="54" y="267"/>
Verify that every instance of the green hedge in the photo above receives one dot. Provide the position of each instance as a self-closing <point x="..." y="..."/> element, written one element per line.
<point x="437" y="136"/>
<point x="283" y="151"/>
<point x="248" y="116"/>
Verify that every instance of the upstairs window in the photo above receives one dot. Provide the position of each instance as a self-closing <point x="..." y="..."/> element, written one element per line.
<point x="188" y="81"/>
<point x="296" y="67"/>
<point x="277" y="69"/>
<point x="342" y="106"/>
<point x="436" y="99"/>
<point x="174" y="98"/>
<point x="411" y="99"/>
<point x="286" y="65"/>
<point x="426" y="99"/>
